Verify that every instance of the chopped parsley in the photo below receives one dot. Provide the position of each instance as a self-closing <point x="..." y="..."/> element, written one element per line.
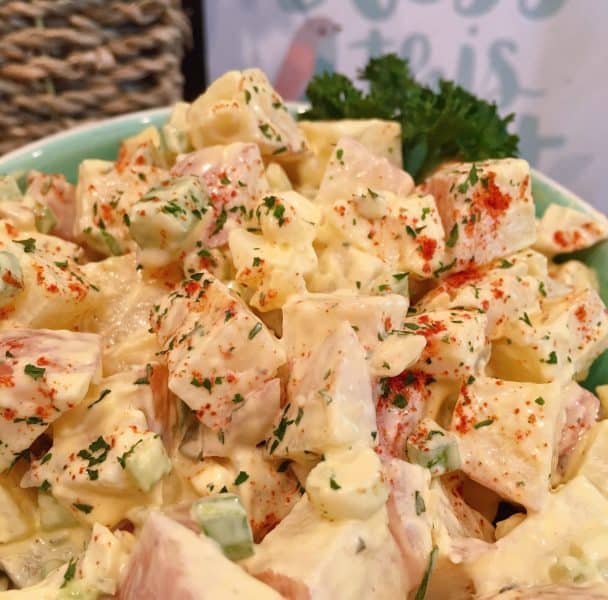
<point x="505" y="264"/>
<point x="540" y="401"/>
<point x="552" y="360"/>
<point x="70" y="572"/>
<point x="420" y="505"/>
<point x="333" y="484"/>
<point x="220" y="221"/>
<point x="242" y="477"/>
<point x="437" y="124"/>
<point x="526" y="319"/>
<point x="122" y="459"/>
<point x="453" y="237"/>
<point x="400" y="401"/>
<point x="96" y="453"/>
<point x="484" y="423"/>
<point x="34" y="372"/>
<point x="255" y="330"/>
<point x="145" y="380"/>
<point x="103" y="394"/>
<point x="85" y="508"/>
<point x="29" y="245"/>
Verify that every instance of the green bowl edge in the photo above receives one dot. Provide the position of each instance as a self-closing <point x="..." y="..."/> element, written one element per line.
<point x="62" y="152"/>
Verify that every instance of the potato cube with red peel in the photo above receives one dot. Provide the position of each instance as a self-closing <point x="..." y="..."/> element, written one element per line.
<point x="486" y="208"/>
<point x="43" y="374"/>
<point x="217" y="349"/>
<point x="170" y="561"/>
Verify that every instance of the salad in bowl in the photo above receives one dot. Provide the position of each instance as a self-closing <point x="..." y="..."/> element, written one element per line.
<point x="256" y="357"/>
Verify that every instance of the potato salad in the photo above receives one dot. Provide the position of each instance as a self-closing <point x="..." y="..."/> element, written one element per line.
<point x="252" y="359"/>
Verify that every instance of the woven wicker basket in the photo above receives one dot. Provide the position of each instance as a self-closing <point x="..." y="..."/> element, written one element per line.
<point x="67" y="61"/>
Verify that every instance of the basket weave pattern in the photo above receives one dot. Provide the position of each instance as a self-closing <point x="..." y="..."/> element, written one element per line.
<point x="68" y="61"/>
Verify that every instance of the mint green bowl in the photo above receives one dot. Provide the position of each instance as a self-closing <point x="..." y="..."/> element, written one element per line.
<point x="62" y="153"/>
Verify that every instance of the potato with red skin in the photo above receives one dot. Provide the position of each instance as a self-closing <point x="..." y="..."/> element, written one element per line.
<point x="486" y="208"/>
<point x="170" y="562"/>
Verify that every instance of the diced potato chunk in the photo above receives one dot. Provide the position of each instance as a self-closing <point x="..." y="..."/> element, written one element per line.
<point x="572" y="522"/>
<point x="500" y="289"/>
<point x="233" y="176"/>
<point x="331" y="405"/>
<point x="93" y="468"/>
<point x="242" y="106"/>
<point x="562" y="229"/>
<point x="556" y="344"/>
<point x="508" y="436"/>
<point x="43" y="374"/>
<point x="486" y="208"/>
<point x="51" y="290"/>
<point x="591" y="458"/>
<point x="348" y="558"/>
<point x="456" y="342"/>
<point x="216" y="349"/>
<point x="104" y="194"/>
<point x="169" y="560"/>
<point x="382" y="138"/>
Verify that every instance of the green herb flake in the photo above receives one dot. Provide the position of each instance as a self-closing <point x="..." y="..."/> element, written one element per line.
<point x="484" y="423"/>
<point x="540" y="400"/>
<point x="242" y="477"/>
<point x="526" y="319"/>
<point x="70" y="572"/>
<point x="333" y="484"/>
<point x="145" y="380"/>
<point x="85" y="508"/>
<point x="29" y="245"/>
<point x="453" y="237"/>
<point x="255" y="330"/>
<point x="122" y="459"/>
<point x="34" y="372"/>
<point x="400" y="401"/>
<point x="420" y="505"/>
<point x="552" y="360"/>
<point x="103" y="394"/>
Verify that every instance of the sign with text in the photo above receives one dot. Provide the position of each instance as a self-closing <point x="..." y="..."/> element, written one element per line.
<point x="544" y="60"/>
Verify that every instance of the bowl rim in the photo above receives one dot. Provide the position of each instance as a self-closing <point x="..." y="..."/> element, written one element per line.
<point x="147" y="115"/>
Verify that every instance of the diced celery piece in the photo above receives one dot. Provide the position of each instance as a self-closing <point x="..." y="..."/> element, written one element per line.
<point x="147" y="462"/>
<point x="165" y="215"/>
<point x="9" y="189"/>
<point x="45" y="218"/>
<point x="224" y="519"/>
<point x="11" y="277"/>
<point x="434" y="448"/>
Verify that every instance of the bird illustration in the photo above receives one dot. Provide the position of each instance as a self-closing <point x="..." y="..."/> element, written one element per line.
<point x="311" y="51"/>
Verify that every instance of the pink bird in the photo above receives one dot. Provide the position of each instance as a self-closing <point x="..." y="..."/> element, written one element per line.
<point x="303" y="58"/>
